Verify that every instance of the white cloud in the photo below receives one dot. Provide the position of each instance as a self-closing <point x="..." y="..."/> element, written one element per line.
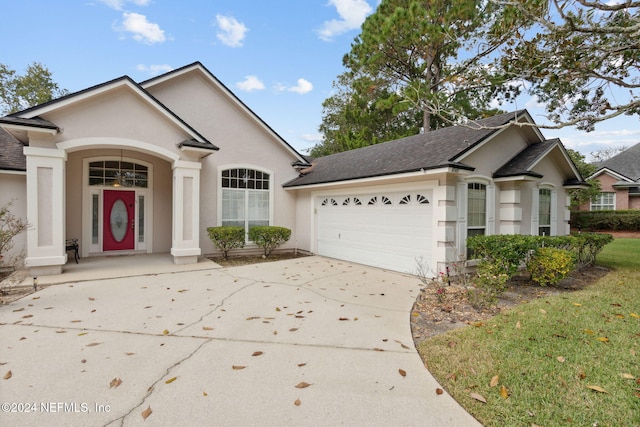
<point x="303" y="86"/>
<point x="352" y="15"/>
<point x="250" y="83"/>
<point x="231" y="32"/>
<point x="119" y="4"/>
<point x="155" y="69"/>
<point x="141" y="29"/>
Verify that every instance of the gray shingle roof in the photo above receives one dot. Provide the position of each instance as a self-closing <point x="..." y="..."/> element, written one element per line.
<point x="626" y="163"/>
<point x="430" y="150"/>
<point x="11" y="155"/>
<point x="522" y="163"/>
<point x="33" y="122"/>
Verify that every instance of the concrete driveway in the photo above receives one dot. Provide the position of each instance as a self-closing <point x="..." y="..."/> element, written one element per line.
<point x="310" y="341"/>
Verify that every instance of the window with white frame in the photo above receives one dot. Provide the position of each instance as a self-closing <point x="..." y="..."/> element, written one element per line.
<point x="544" y="212"/>
<point x="245" y="197"/>
<point x="476" y="209"/>
<point x="604" y="202"/>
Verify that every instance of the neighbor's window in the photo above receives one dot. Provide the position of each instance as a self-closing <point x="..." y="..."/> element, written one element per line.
<point x="476" y="211"/>
<point x="544" y="212"/>
<point x="604" y="202"/>
<point x="245" y="198"/>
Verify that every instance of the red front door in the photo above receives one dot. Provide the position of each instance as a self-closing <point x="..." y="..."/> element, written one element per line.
<point x="119" y="220"/>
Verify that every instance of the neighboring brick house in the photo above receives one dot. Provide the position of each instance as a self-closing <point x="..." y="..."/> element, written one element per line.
<point x="619" y="179"/>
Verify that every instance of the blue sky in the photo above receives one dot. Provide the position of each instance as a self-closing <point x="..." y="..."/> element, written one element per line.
<point x="279" y="57"/>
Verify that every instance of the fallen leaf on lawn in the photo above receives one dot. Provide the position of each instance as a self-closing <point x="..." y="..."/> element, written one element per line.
<point x="603" y="339"/>
<point x="439" y="391"/>
<point x="165" y="332"/>
<point x="302" y="385"/>
<point x="504" y="392"/>
<point x="170" y="380"/>
<point x="543" y="311"/>
<point x="93" y="344"/>
<point x="402" y="372"/>
<point x="257" y="353"/>
<point x="588" y="331"/>
<point x="7" y="375"/>
<point x="207" y="328"/>
<point x="478" y="397"/>
<point x="494" y="381"/>
<point x="628" y="376"/>
<point x="518" y="325"/>
<point x="297" y="402"/>
<point x="582" y="375"/>
<point x="560" y="359"/>
<point x="237" y="367"/>
<point x="636" y="315"/>
<point x="452" y="344"/>
<point x="145" y="414"/>
<point x="577" y="304"/>
<point x="115" y="383"/>
<point x="597" y="388"/>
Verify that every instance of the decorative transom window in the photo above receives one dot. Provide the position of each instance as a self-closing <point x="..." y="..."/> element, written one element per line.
<point x="118" y="173"/>
<point x="422" y="199"/>
<point x="331" y="202"/>
<point x="373" y="200"/>
<point x="245" y="197"/>
<point x="406" y="200"/>
<point x="604" y="202"/>
<point x="544" y="212"/>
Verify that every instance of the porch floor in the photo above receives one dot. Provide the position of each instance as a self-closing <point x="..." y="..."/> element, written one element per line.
<point x="111" y="267"/>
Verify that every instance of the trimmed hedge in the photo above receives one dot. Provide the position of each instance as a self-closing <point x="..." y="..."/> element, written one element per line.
<point x="269" y="237"/>
<point x="227" y="238"/>
<point x="624" y="220"/>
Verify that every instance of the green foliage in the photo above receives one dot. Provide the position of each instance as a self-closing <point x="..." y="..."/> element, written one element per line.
<point x="35" y="87"/>
<point x="269" y="237"/>
<point x="581" y="196"/>
<point x="628" y="220"/>
<point x="10" y="227"/>
<point x="548" y="266"/>
<point x="502" y="253"/>
<point x="587" y="246"/>
<point x="227" y="238"/>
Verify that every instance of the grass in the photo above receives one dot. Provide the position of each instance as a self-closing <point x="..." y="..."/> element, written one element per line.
<point x="572" y="359"/>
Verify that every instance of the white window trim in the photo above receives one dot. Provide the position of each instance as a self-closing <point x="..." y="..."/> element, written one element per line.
<point x="462" y="203"/>
<point x="88" y="247"/>
<point x="535" y="208"/>
<point x="245" y="166"/>
<point x="591" y="204"/>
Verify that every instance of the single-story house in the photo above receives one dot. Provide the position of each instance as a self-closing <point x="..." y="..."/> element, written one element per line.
<point x="619" y="179"/>
<point x="138" y="168"/>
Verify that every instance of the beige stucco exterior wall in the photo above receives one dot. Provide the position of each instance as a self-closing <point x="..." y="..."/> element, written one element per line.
<point x="13" y="188"/>
<point x="243" y="142"/>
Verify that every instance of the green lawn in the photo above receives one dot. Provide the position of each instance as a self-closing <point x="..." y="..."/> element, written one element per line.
<point x="572" y="360"/>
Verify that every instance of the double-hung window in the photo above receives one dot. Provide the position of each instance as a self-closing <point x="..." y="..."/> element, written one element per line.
<point x="476" y="211"/>
<point x="544" y="212"/>
<point x="245" y="197"/>
<point x="604" y="202"/>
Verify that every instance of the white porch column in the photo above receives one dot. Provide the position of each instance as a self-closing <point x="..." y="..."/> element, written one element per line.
<point x="185" y="245"/>
<point x="46" y="252"/>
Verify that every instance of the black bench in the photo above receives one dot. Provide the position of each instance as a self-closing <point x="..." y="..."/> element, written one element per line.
<point x="72" y="245"/>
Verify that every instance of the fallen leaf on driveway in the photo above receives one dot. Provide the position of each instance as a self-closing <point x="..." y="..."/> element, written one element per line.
<point x="302" y="385"/>
<point x="297" y="402"/>
<point x="170" y="380"/>
<point x="93" y="344"/>
<point x="257" y="353"/>
<point x="402" y="372"/>
<point x="115" y="383"/>
<point x="26" y="316"/>
<point x="165" y="332"/>
<point x="343" y="318"/>
<point x="145" y="414"/>
<point x="7" y="375"/>
<point x="293" y="329"/>
<point x="439" y="391"/>
<point x="237" y="367"/>
<point x="478" y="397"/>
<point x="207" y="328"/>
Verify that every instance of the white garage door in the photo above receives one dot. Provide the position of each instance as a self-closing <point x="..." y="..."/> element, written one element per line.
<point x="386" y="230"/>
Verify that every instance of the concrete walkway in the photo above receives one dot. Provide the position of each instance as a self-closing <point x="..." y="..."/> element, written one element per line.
<point x="308" y="342"/>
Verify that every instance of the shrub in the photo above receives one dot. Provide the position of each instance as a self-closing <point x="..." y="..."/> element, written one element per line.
<point x="10" y="227"/>
<point x="269" y="237"/>
<point x="227" y="238"/>
<point x="550" y="265"/>
<point x="628" y="220"/>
